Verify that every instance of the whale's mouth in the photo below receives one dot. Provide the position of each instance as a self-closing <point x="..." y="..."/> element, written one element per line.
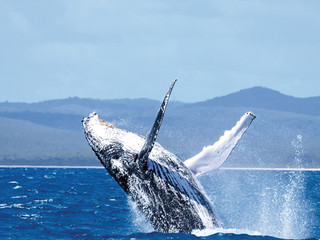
<point x="107" y="124"/>
<point x="101" y="121"/>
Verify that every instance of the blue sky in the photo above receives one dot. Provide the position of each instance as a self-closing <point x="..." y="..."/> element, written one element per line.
<point x="132" y="49"/>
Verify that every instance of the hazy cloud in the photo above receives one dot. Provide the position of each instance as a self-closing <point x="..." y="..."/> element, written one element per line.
<point x="116" y="49"/>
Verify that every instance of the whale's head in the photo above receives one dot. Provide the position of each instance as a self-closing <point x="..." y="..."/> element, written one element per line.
<point x="116" y="148"/>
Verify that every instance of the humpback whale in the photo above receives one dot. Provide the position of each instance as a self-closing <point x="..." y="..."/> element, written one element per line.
<point x="163" y="187"/>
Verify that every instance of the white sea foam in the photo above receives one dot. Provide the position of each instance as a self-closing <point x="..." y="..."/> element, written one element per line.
<point x="48" y="177"/>
<point x="208" y="232"/>
<point x="3" y="205"/>
<point x="29" y="216"/>
<point x="16" y="205"/>
<point x="23" y="196"/>
<point x="41" y="201"/>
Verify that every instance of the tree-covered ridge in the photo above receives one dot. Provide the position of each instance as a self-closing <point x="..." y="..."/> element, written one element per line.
<point x="50" y="132"/>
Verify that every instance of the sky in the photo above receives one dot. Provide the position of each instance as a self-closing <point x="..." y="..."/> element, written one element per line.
<point x="110" y="49"/>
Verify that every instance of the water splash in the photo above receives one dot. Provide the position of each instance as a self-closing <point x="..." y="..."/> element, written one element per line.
<point x="273" y="203"/>
<point x="140" y="223"/>
<point x="283" y="208"/>
<point x="293" y="212"/>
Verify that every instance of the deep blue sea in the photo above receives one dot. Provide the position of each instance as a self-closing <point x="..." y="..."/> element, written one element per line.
<point x="74" y="203"/>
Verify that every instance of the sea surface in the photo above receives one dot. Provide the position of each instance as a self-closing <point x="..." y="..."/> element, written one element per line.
<point x="85" y="203"/>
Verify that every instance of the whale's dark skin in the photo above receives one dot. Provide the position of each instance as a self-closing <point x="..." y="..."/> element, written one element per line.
<point x="162" y="187"/>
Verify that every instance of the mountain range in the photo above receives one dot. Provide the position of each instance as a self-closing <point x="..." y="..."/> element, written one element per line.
<point x="286" y="132"/>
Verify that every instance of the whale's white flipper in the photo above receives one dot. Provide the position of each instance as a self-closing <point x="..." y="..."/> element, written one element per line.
<point x="213" y="156"/>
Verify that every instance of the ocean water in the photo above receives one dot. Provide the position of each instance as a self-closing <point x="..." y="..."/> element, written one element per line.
<point x="75" y="203"/>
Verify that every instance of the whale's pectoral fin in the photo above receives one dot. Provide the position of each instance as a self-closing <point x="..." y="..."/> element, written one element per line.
<point x="212" y="157"/>
<point x="152" y="136"/>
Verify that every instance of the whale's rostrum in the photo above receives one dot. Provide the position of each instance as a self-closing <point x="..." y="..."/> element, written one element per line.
<point x="163" y="187"/>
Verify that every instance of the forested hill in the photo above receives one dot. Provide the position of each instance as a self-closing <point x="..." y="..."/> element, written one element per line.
<point x="286" y="132"/>
<point x="259" y="97"/>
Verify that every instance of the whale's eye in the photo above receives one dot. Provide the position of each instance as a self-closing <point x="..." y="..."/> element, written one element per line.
<point x="114" y="151"/>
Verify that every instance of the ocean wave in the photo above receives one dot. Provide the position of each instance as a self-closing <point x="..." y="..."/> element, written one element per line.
<point x="29" y="216"/>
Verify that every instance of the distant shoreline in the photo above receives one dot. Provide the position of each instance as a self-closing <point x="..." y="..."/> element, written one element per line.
<point x="44" y="166"/>
<point x="223" y="168"/>
<point x="272" y="169"/>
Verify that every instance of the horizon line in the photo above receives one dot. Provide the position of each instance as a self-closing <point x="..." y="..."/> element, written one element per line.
<point x="222" y="168"/>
